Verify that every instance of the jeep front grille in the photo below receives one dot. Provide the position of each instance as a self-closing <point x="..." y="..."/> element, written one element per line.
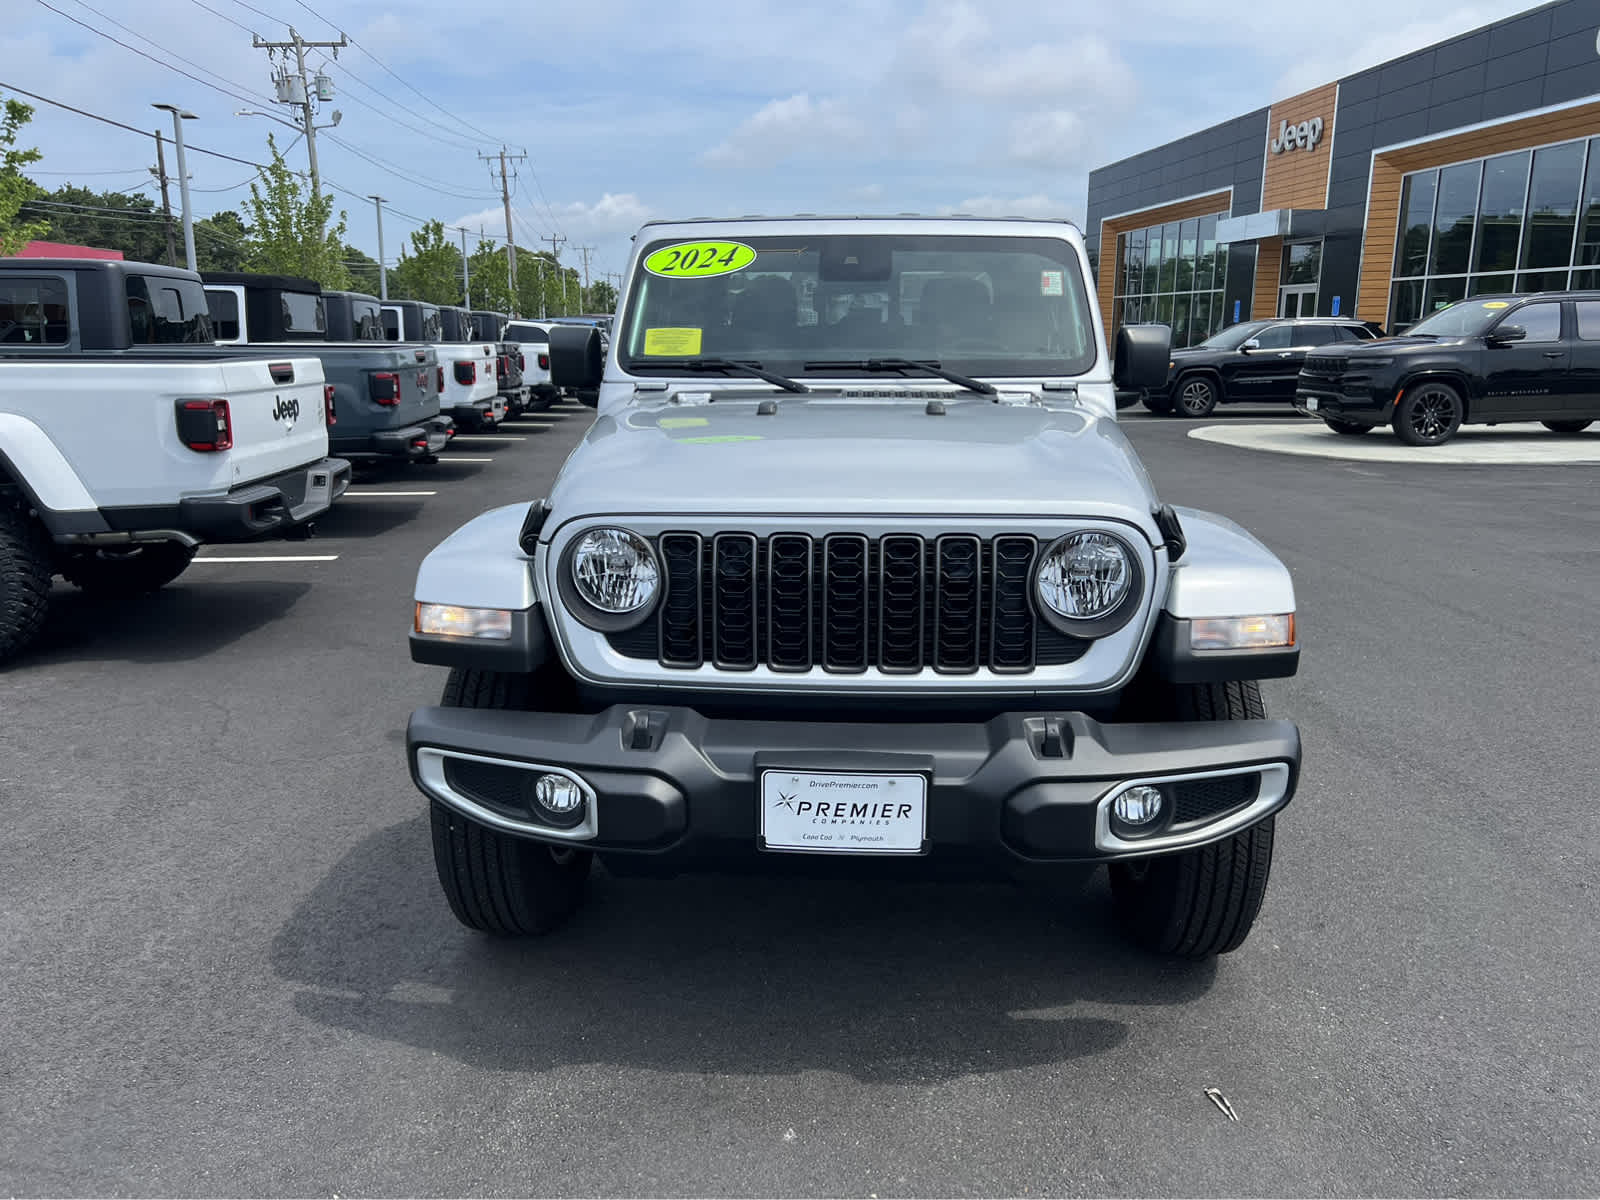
<point x="847" y="603"/>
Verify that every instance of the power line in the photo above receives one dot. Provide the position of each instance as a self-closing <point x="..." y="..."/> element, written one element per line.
<point x="388" y="114"/>
<point x="408" y="175"/>
<point x="223" y="16"/>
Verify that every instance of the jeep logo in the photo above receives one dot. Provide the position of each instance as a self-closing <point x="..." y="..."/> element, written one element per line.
<point x="286" y="408"/>
<point x="1304" y="136"/>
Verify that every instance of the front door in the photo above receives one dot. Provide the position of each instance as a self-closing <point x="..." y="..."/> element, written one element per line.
<point x="1297" y="300"/>
<point x="1527" y="380"/>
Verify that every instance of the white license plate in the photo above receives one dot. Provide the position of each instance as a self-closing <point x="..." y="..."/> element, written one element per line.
<point x="1311" y="404"/>
<point x="843" y="813"/>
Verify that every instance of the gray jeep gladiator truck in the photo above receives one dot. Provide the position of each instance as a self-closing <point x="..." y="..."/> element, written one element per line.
<point x="856" y="570"/>
<point x="128" y="438"/>
<point x="384" y="397"/>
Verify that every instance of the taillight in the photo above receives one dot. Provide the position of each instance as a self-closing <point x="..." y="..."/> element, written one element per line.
<point x="544" y="362"/>
<point x="328" y="414"/>
<point x="466" y="372"/>
<point x="503" y="364"/>
<point x="384" y="388"/>
<point x="441" y="379"/>
<point x="205" y="425"/>
<point x="522" y="363"/>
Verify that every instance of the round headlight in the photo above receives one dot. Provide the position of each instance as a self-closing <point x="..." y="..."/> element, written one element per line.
<point x="615" y="571"/>
<point x="1088" y="578"/>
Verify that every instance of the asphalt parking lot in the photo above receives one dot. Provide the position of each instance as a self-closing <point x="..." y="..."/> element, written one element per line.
<point x="227" y="968"/>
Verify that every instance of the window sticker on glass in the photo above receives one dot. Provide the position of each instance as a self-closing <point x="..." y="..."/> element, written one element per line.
<point x="1497" y="304"/>
<point x="1050" y="283"/>
<point x="671" y="343"/>
<point x="697" y="260"/>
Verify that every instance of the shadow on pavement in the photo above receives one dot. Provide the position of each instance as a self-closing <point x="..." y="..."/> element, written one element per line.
<point x="191" y="618"/>
<point x="358" y="518"/>
<point x="886" y="982"/>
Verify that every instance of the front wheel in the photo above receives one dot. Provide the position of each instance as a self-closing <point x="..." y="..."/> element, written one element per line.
<point x="1566" y="426"/>
<point x="24" y="580"/>
<point x="1197" y="396"/>
<point x="1428" y="414"/>
<point x="1202" y="902"/>
<point x="127" y="570"/>
<point x="1348" y="428"/>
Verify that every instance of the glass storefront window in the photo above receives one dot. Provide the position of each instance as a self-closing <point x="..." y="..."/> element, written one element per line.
<point x="1200" y="318"/>
<point x="1453" y="219"/>
<point x="1441" y="293"/>
<point x="1491" y="285"/>
<point x="1542" y="281"/>
<point x="1405" y="303"/>
<point x="1188" y="237"/>
<point x="1180" y="316"/>
<point x="1164" y="310"/>
<point x="1500" y="209"/>
<point x="1152" y="259"/>
<point x="1302" y="262"/>
<point x="1588" y="254"/>
<point x="1205" y="257"/>
<point x="1172" y="274"/>
<point x="1135" y="261"/>
<point x="1169" y="256"/>
<point x="1553" y="205"/>
<point x="1416" y="223"/>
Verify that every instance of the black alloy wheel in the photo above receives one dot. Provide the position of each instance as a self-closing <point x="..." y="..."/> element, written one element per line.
<point x="1197" y="396"/>
<point x="1348" y="428"/>
<point x="1566" y="426"/>
<point x="1429" y="414"/>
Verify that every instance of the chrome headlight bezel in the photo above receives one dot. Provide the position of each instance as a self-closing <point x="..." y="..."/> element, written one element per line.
<point x="599" y="619"/>
<point x="1101" y="624"/>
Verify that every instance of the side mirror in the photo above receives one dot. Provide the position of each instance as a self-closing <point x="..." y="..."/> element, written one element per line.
<point x="1508" y="333"/>
<point x="576" y="360"/>
<point x="1249" y="344"/>
<point x="1142" y="355"/>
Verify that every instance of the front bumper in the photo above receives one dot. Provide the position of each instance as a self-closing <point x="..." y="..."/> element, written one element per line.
<point x="682" y="789"/>
<point x="1354" y="403"/>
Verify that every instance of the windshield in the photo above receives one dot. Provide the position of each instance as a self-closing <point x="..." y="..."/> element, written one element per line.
<point x="1233" y="336"/>
<point x="1464" y="319"/>
<point x="166" y="310"/>
<point x="996" y="306"/>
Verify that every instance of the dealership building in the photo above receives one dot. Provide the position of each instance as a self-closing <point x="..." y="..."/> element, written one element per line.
<point x="1470" y="167"/>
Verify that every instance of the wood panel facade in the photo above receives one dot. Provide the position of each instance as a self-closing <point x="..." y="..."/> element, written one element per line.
<point x="1110" y="227"/>
<point x="1296" y="177"/>
<point x="1269" y="268"/>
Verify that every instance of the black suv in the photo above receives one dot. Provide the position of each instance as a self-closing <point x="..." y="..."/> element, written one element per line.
<point x="1482" y="361"/>
<point x="1253" y="361"/>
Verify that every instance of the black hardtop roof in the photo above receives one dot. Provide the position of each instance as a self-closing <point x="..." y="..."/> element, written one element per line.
<point x="906" y="216"/>
<point x="283" y="283"/>
<point x="343" y="295"/>
<point x="106" y="266"/>
<point x="489" y="312"/>
<point x="403" y="303"/>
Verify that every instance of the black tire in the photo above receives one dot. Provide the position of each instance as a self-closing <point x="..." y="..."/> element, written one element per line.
<point x="127" y="570"/>
<point x="1429" y="413"/>
<point x="1566" y="426"/>
<point x="1199" y="903"/>
<point x="1157" y="402"/>
<point x="1348" y="428"/>
<point x="495" y="882"/>
<point x="24" y="580"/>
<point x="1196" y="396"/>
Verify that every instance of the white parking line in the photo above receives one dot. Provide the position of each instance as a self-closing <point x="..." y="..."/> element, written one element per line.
<point x="468" y="458"/>
<point x="487" y="437"/>
<point x="266" y="558"/>
<point x="352" y="494"/>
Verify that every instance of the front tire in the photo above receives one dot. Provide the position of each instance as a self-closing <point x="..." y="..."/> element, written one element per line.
<point x="1428" y="414"/>
<point x="127" y="570"/>
<point x="496" y="882"/>
<point x="1199" y="903"/>
<point x="1348" y="428"/>
<point x="1566" y="426"/>
<point x="24" y="580"/>
<point x="1197" y="396"/>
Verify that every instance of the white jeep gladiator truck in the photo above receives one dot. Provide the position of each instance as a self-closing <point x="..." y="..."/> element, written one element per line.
<point x="127" y="439"/>
<point x="468" y="388"/>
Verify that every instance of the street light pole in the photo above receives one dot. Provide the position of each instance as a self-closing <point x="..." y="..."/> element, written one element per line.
<point x="383" y="271"/>
<point x="179" y="116"/>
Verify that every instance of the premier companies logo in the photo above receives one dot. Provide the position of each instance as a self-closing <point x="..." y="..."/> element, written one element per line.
<point x="1303" y="136"/>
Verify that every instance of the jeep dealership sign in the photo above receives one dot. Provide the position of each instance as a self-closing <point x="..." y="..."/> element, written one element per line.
<point x="1304" y="136"/>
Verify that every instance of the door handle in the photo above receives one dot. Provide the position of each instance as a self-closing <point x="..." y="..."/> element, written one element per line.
<point x="1555" y="353"/>
<point x="1285" y="353"/>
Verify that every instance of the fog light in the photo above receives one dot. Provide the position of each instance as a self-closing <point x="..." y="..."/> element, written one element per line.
<point x="1138" y="810"/>
<point x="557" y="795"/>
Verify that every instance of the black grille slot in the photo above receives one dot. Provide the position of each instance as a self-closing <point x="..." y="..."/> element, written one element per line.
<point x="901" y="574"/>
<point x="680" y="608"/>
<point x="958" y="603"/>
<point x="1197" y="800"/>
<point x="1052" y="648"/>
<point x="845" y="602"/>
<point x="1010" y="609"/>
<point x="1320" y="364"/>
<point x="490" y="783"/>
<point x="789" y="594"/>
<point x="734" y="600"/>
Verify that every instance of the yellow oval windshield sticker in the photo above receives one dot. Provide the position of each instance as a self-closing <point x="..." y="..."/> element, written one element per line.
<point x="672" y="343"/>
<point x="697" y="260"/>
<point x="1497" y="304"/>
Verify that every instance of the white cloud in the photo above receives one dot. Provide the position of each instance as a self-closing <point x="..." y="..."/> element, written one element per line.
<point x="621" y="212"/>
<point x="1056" y="138"/>
<point x="1035" y="205"/>
<point x="784" y="128"/>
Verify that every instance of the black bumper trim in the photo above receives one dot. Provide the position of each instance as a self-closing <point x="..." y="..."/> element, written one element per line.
<point x="682" y="788"/>
<point x="254" y="510"/>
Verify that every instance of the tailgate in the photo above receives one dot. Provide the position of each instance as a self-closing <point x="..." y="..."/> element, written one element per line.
<point x="277" y="415"/>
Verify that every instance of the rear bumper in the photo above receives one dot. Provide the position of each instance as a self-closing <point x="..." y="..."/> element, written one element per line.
<point x="250" y="511"/>
<point x="680" y="789"/>
<point x="476" y="413"/>
<point x="416" y="441"/>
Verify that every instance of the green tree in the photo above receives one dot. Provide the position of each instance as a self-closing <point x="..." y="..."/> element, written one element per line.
<point x="602" y="297"/>
<point x="363" y="270"/>
<point x="432" y="271"/>
<point x="290" y="231"/>
<point x="15" y="187"/>
<point x="105" y="220"/>
<point x="221" y="242"/>
<point x="490" y="278"/>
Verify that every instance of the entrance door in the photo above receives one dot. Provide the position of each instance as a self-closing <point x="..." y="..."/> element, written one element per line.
<point x="1297" y="300"/>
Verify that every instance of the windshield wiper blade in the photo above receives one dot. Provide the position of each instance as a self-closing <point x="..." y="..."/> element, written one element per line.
<point x="929" y="365"/>
<point x="753" y="369"/>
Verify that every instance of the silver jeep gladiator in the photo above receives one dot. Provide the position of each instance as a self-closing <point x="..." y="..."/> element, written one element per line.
<point x="856" y="570"/>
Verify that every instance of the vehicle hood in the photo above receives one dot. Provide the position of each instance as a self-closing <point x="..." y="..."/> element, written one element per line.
<point x="1387" y="347"/>
<point x="825" y="454"/>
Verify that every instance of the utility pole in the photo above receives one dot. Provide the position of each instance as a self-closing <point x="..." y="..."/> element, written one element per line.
<point x="166" y="205"/>
<point x="583" y="301"/>
<point x="466" y="279"/>
<point x="555" y="252"/>
<point x="179" y="116"/>
<point x="383" y="271"/>
<point x="505" y="199"/>
<point x="298" y="92"/>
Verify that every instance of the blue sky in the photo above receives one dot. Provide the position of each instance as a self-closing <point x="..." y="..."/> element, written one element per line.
<point x="633" y="109"/>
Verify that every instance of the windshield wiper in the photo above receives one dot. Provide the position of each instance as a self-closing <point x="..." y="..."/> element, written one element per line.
<point x="753" y="369"/>
<point x="930" y="365"/>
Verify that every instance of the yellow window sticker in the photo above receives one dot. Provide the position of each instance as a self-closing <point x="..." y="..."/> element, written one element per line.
<point x="698" y="260"/>
<point x="671" y="343"/>
<point x="681" y="422"/>
<point x="1497" y="304"/>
